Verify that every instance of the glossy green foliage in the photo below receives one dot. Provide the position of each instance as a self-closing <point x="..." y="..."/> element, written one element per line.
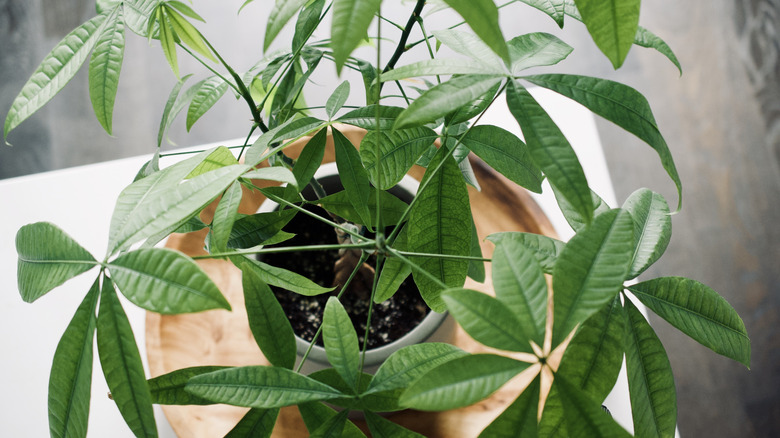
<point x="316" y="414"/>
<point x="208" y="93"/>
<point x="351" y="19"/>
<point x="337" y="99"/>
<point x="652" y="228"/>
<point x="256" y="423"/>
<point x="270" y="327"/>
<point x="353" y="175"/>
<point x="258" y="228"/>
<point x="482" y="17"/>
<point x="519" y="419"/>
<point x="281" y="13"/>
<point x="168" y="389"/>
<point x="584" y="416"/>
<point x="536" y="49"/>
<point x="544" y="248"/>
<point x="310" y="158"/>
<point x="381" y="427"/>
<point x="612" y="24"/>
<point x="395" y="151"/>
<point x="391" y="208"/>
<point x="47" y="258"/>
<point x="225" y="216"/>
<point x="70" y="380"/>
<point x="280" y="277"/>
<point x="372" y="117"/>
<point x="104" y="68"/>
<point x="341" y="342"/>
<point x="553" y="8"/>
<point x="409" y="364"/>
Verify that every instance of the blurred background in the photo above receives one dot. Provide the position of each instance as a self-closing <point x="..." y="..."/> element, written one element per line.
<point x="721" y="119"/>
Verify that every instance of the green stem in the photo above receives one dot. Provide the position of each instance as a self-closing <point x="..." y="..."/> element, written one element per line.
<point x="415" y="267"/>
<point x="400" y="48"/>
<point x="284" y="249"/>
<point x="443" y="256"/>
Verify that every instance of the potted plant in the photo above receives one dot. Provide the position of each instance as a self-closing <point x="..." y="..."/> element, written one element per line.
<point x="568" y="340"/>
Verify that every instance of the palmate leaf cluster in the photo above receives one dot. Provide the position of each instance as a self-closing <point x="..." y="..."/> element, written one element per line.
<point x="573" y="350"/>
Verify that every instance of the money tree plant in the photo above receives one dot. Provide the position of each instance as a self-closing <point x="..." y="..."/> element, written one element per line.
<point x="572" y="334"/>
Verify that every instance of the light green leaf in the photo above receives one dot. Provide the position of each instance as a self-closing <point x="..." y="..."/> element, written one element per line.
<point x="269" y="325"/>
<point x="315" y="414"/>
<point x="280" y="277"/>
<point x="393" y="272"/>
<point x="652" y="228"/>
<point x="307" y="23"/>
<point x="518" y="420"/>
<point x="381" y="427"/>
<point x="341" y="342"/>
<point x="56" y="69"/>
<point x="207" y="95"/>
<point x="444" y="98"/>
<point x="584" y="417"/>
<point x="281" y="13"/>
<point x="337" y="99"/>
<point x="392" y="207"/>
<point x="612" y="24"/>
<point x="274" y="173"/>
<point x="187" y="33"/>
<point x="650" y="378"/>
<point x="168" y="112"/>
<point x="102" y="6"/>
<point x="470" y="45"/>
<point x="310" y="158"/>
<point x="486" y="320"/>
<point x="259" y="387"/>
<point x="521" y="287"/>
<point x="122" y="366"/>
<point x="224" y="217"/>
<point x="482" y="17"/>
<point x="168" y="389"/>
<point x="104" y="68"/>
<point x="351" y="19"/>
<point x="699" y="312"/>
<point x="443" y="66"/>
<point x="290" y="130"/>
<point x="217" y="159"/>
<point x="353" y="175"/>
<point x="590" y="270"/>
<point x="256" y="423"/>
<point x="619" y="104"/>
<point x="165" y="281"/>
<point x="506" y="153"/>
<point x="553" y="8"/>
<point x="550" y="149"/>
<point x="440" y="223"/>
<point x="461" y="382"/>
<point x="70" y="380"/>
<point x="185" y="10"/>
<point x="397" y="152"/>
<point x="138" y="14"/>
<point x="545" y="249"/>
<point x="408" y="364"/>
<point x="535" y="50"/>
<point x="366" y="117"/>
<point x="47" y="258"/>
<point x="593" y="357"/>
<point x="167" y="39"/>
<point x="573" y="217"/>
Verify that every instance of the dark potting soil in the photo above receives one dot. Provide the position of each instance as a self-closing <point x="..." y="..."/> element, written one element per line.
<point x="390" y="319"/>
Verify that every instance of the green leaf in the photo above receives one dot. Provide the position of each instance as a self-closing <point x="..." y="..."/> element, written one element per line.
<point x="550" y="149"/>
<point x="553" y="422"/>
<point x="349" y="27"/>
<point x="333" y="427"/>
<point x="394" y="271"/>
<point x="486" y="320"/>
<point x="410" y="363"/>
<point x="310" y="158"/>
<point x="590" y="270"/>
<point x="341" y="342"/>
<point x="337" y="99"/>
<point x="165" y="281"/>
<point x="168" y="112"/>
<point x="185" y="10"/>
<point x="274" y="173"/>
<point x="167" y="39"/>
<point x="535" y="50"/>
<point x="652" y="228"/>
<point x="440" y="223"/>
<point x="281" y="13"/>
<point x="187" y="33"/>
<point x="224" y="217"/>
<point x="521" y="287"/>
<point x="612" y="24"/>
<point x="280" y="277"/>
<point x="593" y="357"/>
<point x="122" y="366"/>
<point x="553" y="8"/>
<point x="476" y="270"/>
<point x="207" y="95"/>
<point x="396" y="152"/>
<point x="472" y="109"/>
<point x="102" y="6"/>
<point x="315" y="414"/>
<point x="545" y="249"/>
<point x="290" y="130"/>
<point x="645" y="38"/>
<point x="471" y="45"/>
<point x="104" y="68"/>
<point x="443" y="66"/>
<point x="392" y="207"/>
<point x="168" y="389"/>
<point x="257" y="423"/>
<point x="219" y="158"/>
<point x="443" y="98"/>
<point x="154" y="204"/>
<point x="619" y="104"/>
<point x="70" y="380"/>
<point x="47" y="258"/>
<point x="259" y="387"/>
<point x="573" y="217"/>
<point x="699" y="312"/>
<point x="353" y="175"/>
<point x="518" y="420"/>
<point x="256" y="229"/>
<point x="56" y="70"/>
<point x="506" y="153"/>
<point x="482" y="17"/>
<point x="584" y="417"/>
<point x="381" y="427"/>
<point x="269" y="325"/>
<point x="366" y="117"/>
<point x="461" y="382"/>
<point x="307" y="23"/>
<point x="650" y="378"/>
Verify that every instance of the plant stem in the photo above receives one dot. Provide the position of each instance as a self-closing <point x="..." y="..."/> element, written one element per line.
<point x="415" y="267"/>
<point x="284" y="249"/>
<point x="443" y="256"/>
<point x="401" y="47"/>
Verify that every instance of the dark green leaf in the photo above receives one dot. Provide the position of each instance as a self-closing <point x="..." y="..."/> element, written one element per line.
<point x="256" y="229"/>
<point x="545" y="249"/>
<point x="590" y="270"/>
<point x="392" y="207"/>
<point x="280" y="277"/>
<point x="553" y="8"/>
<point x="337" y="99"/>
<point x="290" y="130"/>
<point x="353" y="175"/>
<point x="165" y="281"/>
<point x="281" y="13"/>
<point x="619" y="104"/>
<point x="366" y="117"/>
<point x="487" y="320"/>
<point x="536" y="49"/>
<point x="333" y="427"/>
<point x="699" y="312"/>
<point x="168" y="389"/>
<point x="257" y="423"/>
<point x="259" y="387"/>
<point x="351" y="19"/>
<point x="315" y="414"/>
<point x="47" y="258"/>
<point x="369" y="74"/>
<point x="396" y="152"/>
<point x="550" y="149"/>
<point x="104" y="68"/>
<point x="553" y="422"/>
<point x="573" y="217"/>
<point x="341" y="342"/>
<point x="310" y="158"/>
<point x="584" y="417"/>
<point x="652" y="228"/>
<point x="308" y="20"/>
<point x="207" y="95"/>
<point x="224" y="217"/>
<point x="394" y="271"/>
<point x="461" y="382"/>
<point x="270" y="327"/>
<point x="519" y="419"/>
<point x="650" y="378"/>
<point x="381" y="427"/>
<point x="410" y="363"/>
<point x="472" y="109"/>
<point x="612" y="24"/>
<point x="122" y="366"/>
<point x="476" y="267"/>
<point x="482" y="17"/>
<point x="70" y="380"/>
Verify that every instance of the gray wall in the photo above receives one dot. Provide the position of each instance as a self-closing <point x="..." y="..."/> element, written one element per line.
<point x="721" y="120"/>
